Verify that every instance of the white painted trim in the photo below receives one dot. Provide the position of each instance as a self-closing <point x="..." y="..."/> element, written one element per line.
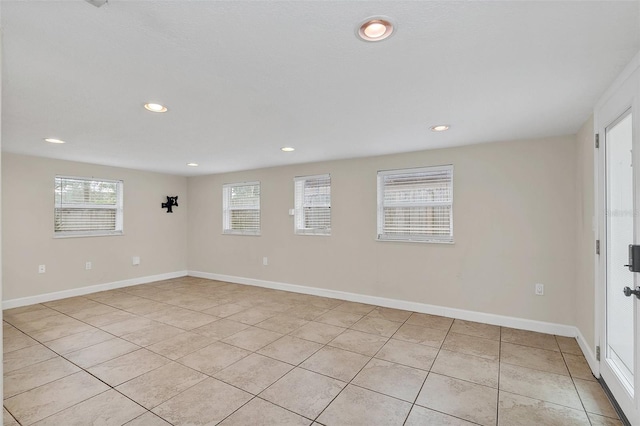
<point x="47" y="297"/>
<point x="501" y="320"/>
<point x="588" y="354"/>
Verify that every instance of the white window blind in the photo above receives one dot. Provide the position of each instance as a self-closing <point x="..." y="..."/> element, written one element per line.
<point x="416" y="204"/>
<point x="313" y="205"/>
<point x="87" y="206"/>
<point x="241" y="208"/>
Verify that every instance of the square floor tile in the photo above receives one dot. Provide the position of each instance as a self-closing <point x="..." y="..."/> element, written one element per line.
<point x="161" y="384"/>
<point x="290" y="349"/>
<point x="476" y="329"/>
<point x="578" y="367"/>
<point x="184" y="319"/>
<point x="354" y="308"/>
<point x="154" y="333"/>
<point x="27" y="378"/>
<point x="356" y="406"/>
<point x="306" y="312"/>
<point x="252" y="338"/>
<point x="78" y="341"/>
<point x="303" y="392"/>
<point x="458" y="398"/>
<point x="252" y="316"/>
<point x="476" y="346"/>
<point x="258" y="412"/>
<point x="519" y="410"/>
<point x="529" y="338"/>
<point x="206" y="403"/>
<point x="128" y="326"/>
<point x="220" y="329"/>
<point x="101" y="352"/>
<point x="569" y="345"/>
<point x="126" y="367"/>
<point x="430" y="321"/>
<point x="391" y="379"/>
<point x="467" y="367"/>
<point x="225" y="310"/>
<point x="378" y="326"/>
<point x="213" y="358"/>
<point x="421" y="416"/>
<point x="60" y="331"/>
<point x="37" y="404"/>
<point x="338" y="318"/>
<point x="337" y="363"/>
<point x="357" y="341"/>
<point x="597" y="420"/>
<point x="318" y="332"/>
<point x="406" y="353"/>
<point x="107" y="408"/>
<point x="14" y="339"/>
<point x="538" y="359"/>
<point x="594" y="399"/>
<point x="550" y="387"/>
<point x="26" y="357"/>
<point x="420" y="335"/>
<point x="254" y="373"/>
<point x="8" y="419"/>
<point x="282" y="323"/>
<point x="390" y="314"/>
<point x="110" y="318"/>
<point x="180" y="345"/>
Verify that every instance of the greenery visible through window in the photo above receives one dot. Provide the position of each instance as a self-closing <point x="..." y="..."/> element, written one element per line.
<point x="416" y="204"/>
<point x="241" y="208"/>
<point x="87" y="206"/>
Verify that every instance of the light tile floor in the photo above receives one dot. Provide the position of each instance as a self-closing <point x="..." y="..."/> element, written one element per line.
<point x="201" y="352"/>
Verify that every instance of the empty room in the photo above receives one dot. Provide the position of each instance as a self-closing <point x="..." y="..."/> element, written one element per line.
<point x="320" y="212"/>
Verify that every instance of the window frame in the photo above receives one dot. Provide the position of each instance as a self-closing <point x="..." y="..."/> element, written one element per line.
<point x="442" y="239"/>
<point x="119" y="209"/>
<point x="299" y="207"/>
<point x="226" y="217"/>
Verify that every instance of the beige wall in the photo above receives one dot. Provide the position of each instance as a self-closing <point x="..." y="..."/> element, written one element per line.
<point x="27" y="229"/>
<point x="514" y="225"/>
<point x="585" y="243"/>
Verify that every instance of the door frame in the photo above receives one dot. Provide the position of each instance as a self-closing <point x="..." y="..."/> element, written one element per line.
<point x="626" y="99"/>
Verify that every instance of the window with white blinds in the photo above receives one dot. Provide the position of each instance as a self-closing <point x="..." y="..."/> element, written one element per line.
<point x="313" y="205"/>
<point x="87" y="206"/>
<point x="416" y="204"/>
<point x="241" y="208"/>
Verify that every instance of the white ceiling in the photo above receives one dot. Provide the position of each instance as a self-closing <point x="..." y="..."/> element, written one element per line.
<point x="242" y="79"/>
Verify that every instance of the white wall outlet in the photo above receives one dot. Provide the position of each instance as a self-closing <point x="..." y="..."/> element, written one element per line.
<point x="539" y="289"/>
<point x="136" y="260"/>
<point x="265" y="261"/>
<point x="42" y="269"/>
<point x="88" y="266"/>
<point x="292" y="212"/>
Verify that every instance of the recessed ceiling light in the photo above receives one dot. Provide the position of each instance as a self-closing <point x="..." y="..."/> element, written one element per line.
<point x="375" y="29"/>
<point x="192" y="164"/>
<point x="53" y="140"/>
<point x="440" y="128"/>
<point x="287" y="149"/>
<point x="155" y="107"/>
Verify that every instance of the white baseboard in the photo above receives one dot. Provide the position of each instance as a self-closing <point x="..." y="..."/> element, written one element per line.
<point x="30" y="300"/>
<point x="594" y="364"/>
<point x="501" y="320"/>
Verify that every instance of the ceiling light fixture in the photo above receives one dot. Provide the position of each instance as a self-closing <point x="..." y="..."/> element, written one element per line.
<point x="54" y="140"/>
<point x="375" y="29"/>
<point x="155" y="107"/>
<point x="440" y="128"/>
<point x="287" y="149"/>
<point x="192" y="164"/>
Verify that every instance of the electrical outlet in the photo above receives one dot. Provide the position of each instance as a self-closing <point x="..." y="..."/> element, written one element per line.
<point x="539" y="289"/>
<point x="87" y="266"/>
<point x="265" y="261"/>
<point x="136" y="260"/>
<point x="42" y="269"/>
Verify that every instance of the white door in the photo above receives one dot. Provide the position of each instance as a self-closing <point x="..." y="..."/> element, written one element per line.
<point x="619" y="184"/>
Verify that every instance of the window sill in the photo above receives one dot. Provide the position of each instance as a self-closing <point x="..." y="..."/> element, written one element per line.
<point x="81" y="235"/>
<point x="403" y="240"/>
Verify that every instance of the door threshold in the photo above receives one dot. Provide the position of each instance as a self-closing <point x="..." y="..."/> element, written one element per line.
<point x="613" y="401"/>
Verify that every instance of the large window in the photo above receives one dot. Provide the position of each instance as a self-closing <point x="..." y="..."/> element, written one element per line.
<point x="416" y="204"/>
<point x="241" y="208"/>
<point x="313" y="205"/>
<point x="87" y="206"/>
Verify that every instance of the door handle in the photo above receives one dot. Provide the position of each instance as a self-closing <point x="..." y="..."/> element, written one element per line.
<point x="628" y="292"/>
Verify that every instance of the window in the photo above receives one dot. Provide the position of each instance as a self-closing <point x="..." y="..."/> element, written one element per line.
<point x="313" y="205"/>
<point x="416" y="204"/>
<point x="87" y="206"/>
<point x="241" y="208"/>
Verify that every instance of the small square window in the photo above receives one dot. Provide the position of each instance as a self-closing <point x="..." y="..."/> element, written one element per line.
<point x="241" y="208"/>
